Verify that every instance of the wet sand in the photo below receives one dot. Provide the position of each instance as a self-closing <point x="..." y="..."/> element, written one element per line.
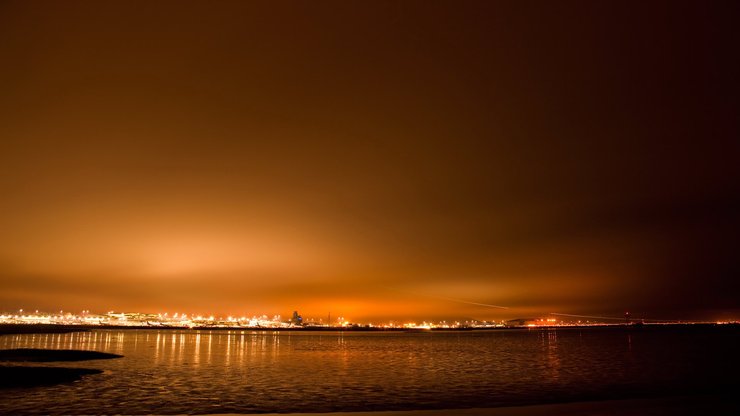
<point x="714" y="405"/>
<point x="22" y="377"/>
<point x="43" y="355"/>
<point x="19" y="376"/>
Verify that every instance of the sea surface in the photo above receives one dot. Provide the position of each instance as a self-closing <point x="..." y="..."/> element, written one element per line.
<point x="188" y="371"/>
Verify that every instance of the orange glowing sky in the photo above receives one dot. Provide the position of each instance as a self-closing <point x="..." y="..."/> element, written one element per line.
<point x="373" y="160"/>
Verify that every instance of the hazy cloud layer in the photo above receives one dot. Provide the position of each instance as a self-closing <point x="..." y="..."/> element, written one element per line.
<point x="370" y="160"/>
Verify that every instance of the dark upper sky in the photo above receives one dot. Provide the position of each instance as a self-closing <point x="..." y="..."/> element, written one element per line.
<point x="372" y="159"/>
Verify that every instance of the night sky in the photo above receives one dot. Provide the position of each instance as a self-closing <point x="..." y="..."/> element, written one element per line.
<point x="376" y="160"/>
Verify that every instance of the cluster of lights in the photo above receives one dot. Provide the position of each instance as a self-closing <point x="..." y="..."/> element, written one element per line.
<point x="142" y="319"/>
<point x="182" y="320"/>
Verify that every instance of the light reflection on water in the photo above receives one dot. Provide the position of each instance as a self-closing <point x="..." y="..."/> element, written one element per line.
<point x="174" y="371"/>
<point x="171" y="347"/>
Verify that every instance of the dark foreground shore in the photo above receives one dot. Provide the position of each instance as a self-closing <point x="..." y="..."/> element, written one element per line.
<point x="715" y="405"/>
<point x="20" y="376"/>
<point x="43" y="355"/>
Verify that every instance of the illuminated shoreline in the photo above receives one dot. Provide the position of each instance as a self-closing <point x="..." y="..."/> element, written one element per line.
<point x="114" y="320"/>
<point x="9" y="329"/>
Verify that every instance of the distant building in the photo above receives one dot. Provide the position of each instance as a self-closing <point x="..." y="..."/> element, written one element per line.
<point x="530" y="322"/>
<point x="521" y="322"/>
<point x="296" y="319"/>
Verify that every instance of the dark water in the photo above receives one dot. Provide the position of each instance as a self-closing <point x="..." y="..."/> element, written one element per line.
<point x="171" y="371"/>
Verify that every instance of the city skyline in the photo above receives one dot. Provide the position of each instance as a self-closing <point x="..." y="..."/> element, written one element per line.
<point x="128" y="319"/>
<point x="412" y="160"/>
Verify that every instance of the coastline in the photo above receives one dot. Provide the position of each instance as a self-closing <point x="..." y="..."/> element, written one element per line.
<point x="26" y="328"/>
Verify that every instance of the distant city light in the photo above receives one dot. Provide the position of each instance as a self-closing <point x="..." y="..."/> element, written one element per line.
<point x="183" y="320"/>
